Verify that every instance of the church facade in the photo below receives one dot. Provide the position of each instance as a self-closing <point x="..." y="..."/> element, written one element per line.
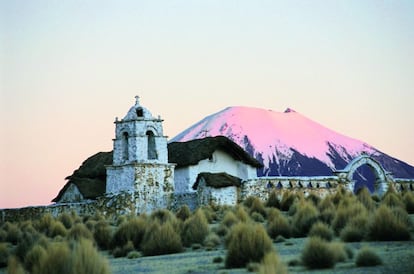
<point x="140" y="161"/>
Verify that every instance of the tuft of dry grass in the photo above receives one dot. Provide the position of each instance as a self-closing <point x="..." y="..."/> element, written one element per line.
<point x="321" y="230"/>
<point x="4" y="254"/>
<point x="273" y="200"/>
<point x="385" y="225"/>
<point x="161" y="239"/>
<point x="195" y="229"/>
<point x="183" y="213"/>
<point x="272" y="264"/>
<point x="317" y="254"/>
<point x="306" y="215"/>
<point x="247" y="242"/>
<point x="408" y="199"/>
<point x="367" y="257"/>
<point x="278" y="225"/>
<point x="364" y="196"/>
<point x="131" y="230"/>
<point x="79" y="231"/>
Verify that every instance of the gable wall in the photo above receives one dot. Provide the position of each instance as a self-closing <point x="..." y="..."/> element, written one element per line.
<point x="222" y="162"/>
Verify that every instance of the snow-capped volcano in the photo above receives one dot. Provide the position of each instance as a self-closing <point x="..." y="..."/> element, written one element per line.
<point x="288" y="143"/>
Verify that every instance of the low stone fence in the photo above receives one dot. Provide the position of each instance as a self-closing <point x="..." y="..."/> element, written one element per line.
<point x="262" y="187"/>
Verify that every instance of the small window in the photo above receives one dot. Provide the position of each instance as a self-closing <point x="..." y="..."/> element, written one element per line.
<point x="140" y="112"/>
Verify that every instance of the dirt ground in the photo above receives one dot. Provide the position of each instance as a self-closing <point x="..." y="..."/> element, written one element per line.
<point x="398" y="257"/>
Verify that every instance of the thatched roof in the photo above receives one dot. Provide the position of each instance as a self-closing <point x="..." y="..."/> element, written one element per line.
<point x="191" y="152"/>
<point x="90" y="178"/>
<point x="217" y="180"/>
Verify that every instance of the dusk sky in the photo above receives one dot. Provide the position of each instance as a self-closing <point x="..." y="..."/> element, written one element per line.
<point x="68" y="68"/>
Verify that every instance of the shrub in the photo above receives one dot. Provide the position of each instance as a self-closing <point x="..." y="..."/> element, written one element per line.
<point x="210" y="213"/>
<point x="79" y="231"/>
<point x="348" y="209"/>
<point x="14" y="266"/>
<point x="408" y="200"/>
<point x="272" y="264"/>
<point x="327" y="210"/>
<point x="66" y="220"/>
<point x="273" y="200"/>
<point x="132" y="230"/>
<point x="278" y="225"/>
<point x="24" y="246"/>
<point x="4" y="254"/>
<point x="356" y="229"/>
<point x="306" y="215"/>
<point x="364" y="196"/>
<point x="162" y="215"/>
<point x="212" y="240"/>
<point x="183" y="213"/>
<point x="161" y="239"/>
<point x="287" y="200"/>
<point x="79" y="257"/>
<point x="338" y="249"/>
<point x="44" y="224"/>
<point x="134" y="255"/>
<point x="247" y="243"/>
<point x="229" y="219"/>
<point x="317" y="254"/>
<point x="86" y="259"/>
<point x="313" y="198"/>
<point x="257" y="206"/>
<point x="321" y="230"/>
<point x="35" y="255"/>
<point x="241" y="213"/>
<point x="392" y="199"/>
<point x="57" y="229"/>
<point x="221" y="230"/>
<point x="103" y="235"/>
<point x="195" y="229"/>
<point x="367" y="257"/>
<point x="3" y="235"/>
<point x="385" y="226"/>
<point x="257" y="217"/>
<point x="14" y="235"/>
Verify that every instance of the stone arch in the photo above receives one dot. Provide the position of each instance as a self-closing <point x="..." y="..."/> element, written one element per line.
<point x="151" y="145"/>
<point x="379" y="172"/>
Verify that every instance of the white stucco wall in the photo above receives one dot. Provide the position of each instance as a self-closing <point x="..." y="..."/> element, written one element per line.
<point x="221" y="162"/>
<point x="120" y="178"/>
<point x="218" y="196"/>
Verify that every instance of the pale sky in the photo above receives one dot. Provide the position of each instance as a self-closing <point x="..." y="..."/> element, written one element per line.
<point x="68" y="68"/>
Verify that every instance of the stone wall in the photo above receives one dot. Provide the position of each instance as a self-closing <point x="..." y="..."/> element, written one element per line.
<point x="261" y="187"/>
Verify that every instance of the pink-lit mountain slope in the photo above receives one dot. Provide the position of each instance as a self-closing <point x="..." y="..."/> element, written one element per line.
<point x="288" y="143"/>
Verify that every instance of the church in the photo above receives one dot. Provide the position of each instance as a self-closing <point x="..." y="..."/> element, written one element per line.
<point x="155" y="173"/>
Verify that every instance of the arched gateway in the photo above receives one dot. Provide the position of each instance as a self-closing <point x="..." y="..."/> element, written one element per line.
<point x="381" y="179"/>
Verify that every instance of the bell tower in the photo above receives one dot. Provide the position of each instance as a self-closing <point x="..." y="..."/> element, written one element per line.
<point x="140" y="160"/>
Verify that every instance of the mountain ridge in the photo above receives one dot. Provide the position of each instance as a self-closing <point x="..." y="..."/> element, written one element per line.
<point x="288" y="143"/>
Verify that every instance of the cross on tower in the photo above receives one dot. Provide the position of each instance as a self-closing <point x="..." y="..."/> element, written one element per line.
<point x="136" y="100"/>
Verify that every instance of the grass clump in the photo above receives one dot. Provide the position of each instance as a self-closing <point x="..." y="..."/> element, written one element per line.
<point x="272" y="264"/>
<point x="278" y="225"/>
<point x="195" y="229"/>
<point x="161" y="239"/>
<point x="4" y="254"/>
<point x="212" y="240"/>
<point x="317" y="254"/>
<point x="386" y="226"/>
<point x="408" y="199"/>
<point x="273" y="200"/>
<point x="183" y="213"/>
<point x="321" y="230"/>
<point x="247" y="242"/>
<point x="75" y="257"/>
<point x="287" y="200"/>
<point x="102" y="234"/>
<point x="367" y="257"/>
<point x="130" y="230"/>
<point x="305" y="216"/>
<point x="348" y="209"/>
<point x="66" y="220"/>
<point x="79" y="231"/>
<point x="36" y="254"/>
<point x="134" y="255"/>
<point x="392" y="199"/>
<point x="364" y="196"/>
<point x="356" y="229"/>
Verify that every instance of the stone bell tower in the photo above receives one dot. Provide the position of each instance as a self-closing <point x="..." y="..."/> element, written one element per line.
<point x="140" y="161"/>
